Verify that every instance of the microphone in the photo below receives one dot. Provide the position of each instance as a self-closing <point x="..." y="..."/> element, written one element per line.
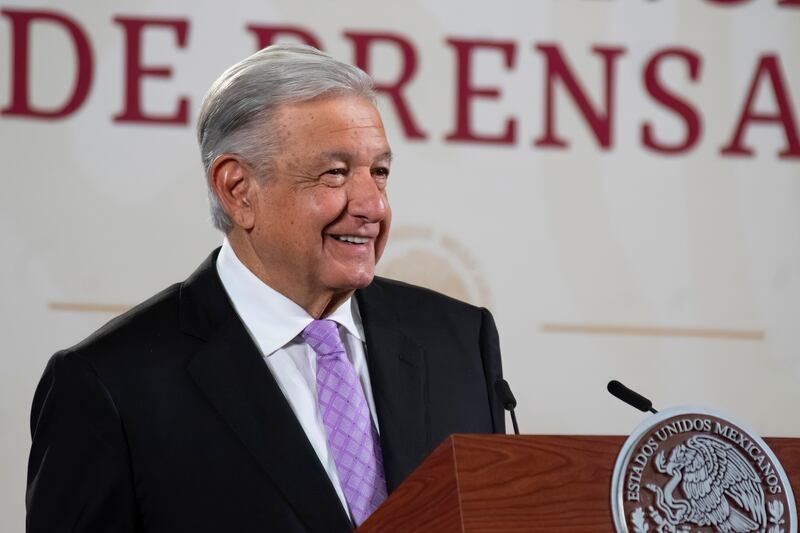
<point x="503" y="391"/>
<point x="630" y="397"/>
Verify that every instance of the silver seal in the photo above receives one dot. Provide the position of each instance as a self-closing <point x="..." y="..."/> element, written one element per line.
<point x="694" y="470"/>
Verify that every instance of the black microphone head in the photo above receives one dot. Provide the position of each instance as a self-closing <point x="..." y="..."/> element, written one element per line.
<point x="503" y="391"/>
<point x="628" y="396"/>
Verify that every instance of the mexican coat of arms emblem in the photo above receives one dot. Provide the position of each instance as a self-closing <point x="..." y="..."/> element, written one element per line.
<point x="691" y="470"/>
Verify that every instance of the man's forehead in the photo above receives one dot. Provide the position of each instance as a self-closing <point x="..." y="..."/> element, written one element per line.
<point x="335" y="128"/>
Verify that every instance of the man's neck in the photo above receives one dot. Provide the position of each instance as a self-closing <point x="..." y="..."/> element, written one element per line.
<point x="318" y="304"/>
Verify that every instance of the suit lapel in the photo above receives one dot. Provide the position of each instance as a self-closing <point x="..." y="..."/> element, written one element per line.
<point x="231" y="373"/>
<point x="399" y="386"/>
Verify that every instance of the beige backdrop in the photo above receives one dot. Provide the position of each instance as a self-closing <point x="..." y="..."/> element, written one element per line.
<point x="676" y="274"/>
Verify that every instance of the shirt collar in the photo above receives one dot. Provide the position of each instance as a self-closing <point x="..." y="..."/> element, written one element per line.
<point x="273" y="319"/>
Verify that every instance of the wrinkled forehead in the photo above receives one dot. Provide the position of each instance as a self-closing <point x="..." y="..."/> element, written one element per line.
<point x="338" y="126"/>
<point x="331" y="108"/>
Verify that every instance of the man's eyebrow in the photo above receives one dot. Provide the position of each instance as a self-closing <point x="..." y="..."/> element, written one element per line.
<point x="385" y="156"/>
<point x="337" y="155"/>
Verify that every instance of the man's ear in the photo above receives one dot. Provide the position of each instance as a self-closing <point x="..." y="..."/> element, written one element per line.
<point x="234" y="185"/>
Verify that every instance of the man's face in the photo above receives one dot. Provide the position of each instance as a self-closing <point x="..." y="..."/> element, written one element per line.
<point x="322" y="216"/>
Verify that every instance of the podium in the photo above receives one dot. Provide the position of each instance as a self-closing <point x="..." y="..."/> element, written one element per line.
<point x="494" y="483"/>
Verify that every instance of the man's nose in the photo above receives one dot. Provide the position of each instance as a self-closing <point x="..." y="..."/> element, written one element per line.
<point x="366" y="197"/>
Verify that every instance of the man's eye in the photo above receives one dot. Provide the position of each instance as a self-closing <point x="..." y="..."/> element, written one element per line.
<point x="380" y="172"/>
<point x="334" y="176"/>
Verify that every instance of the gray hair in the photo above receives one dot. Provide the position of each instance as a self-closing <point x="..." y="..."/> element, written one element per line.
<point x="239" y="109"/>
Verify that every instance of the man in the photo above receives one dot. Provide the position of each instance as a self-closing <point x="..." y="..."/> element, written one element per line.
<point x="281" y="387"/>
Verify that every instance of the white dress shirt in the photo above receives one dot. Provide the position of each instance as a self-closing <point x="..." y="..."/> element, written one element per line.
<point x="275" y="322"/>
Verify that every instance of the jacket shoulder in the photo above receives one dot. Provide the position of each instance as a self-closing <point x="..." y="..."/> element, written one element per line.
<point x="155" y="318"/>
<point x="414" y="295"/>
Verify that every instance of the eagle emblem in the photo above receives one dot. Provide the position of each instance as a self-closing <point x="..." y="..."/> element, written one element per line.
<point x="719" y="487"/>
<point x="694" y="470"/>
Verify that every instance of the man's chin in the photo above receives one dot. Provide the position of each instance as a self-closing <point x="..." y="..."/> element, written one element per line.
<point x="354" y="280"/>
<point x="363" y="281"/>
<point x="344" y="289"/>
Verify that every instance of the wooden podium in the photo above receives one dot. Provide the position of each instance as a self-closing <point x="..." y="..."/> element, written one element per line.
<point x="493" y="483"/>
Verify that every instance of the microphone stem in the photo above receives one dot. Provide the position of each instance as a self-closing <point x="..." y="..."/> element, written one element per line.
<point x="514" y="422"/>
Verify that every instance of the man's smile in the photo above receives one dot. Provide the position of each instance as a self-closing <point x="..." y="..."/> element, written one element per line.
<point x="353" y="239"/>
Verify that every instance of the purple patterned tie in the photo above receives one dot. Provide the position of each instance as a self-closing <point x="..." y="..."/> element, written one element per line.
<point x="352" y="439"/>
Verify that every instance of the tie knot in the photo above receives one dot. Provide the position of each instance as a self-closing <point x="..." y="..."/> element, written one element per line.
<point x="323" y="337"/>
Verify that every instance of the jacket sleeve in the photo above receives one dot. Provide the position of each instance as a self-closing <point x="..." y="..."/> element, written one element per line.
<point x="79" y="474"/>
<point x="492" y="368"/>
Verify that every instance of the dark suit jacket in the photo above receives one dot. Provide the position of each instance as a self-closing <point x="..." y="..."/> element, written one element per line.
<point x="168" y="420"/>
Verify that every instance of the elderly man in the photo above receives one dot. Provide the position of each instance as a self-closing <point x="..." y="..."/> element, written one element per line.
<point x="281" y="387"/>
